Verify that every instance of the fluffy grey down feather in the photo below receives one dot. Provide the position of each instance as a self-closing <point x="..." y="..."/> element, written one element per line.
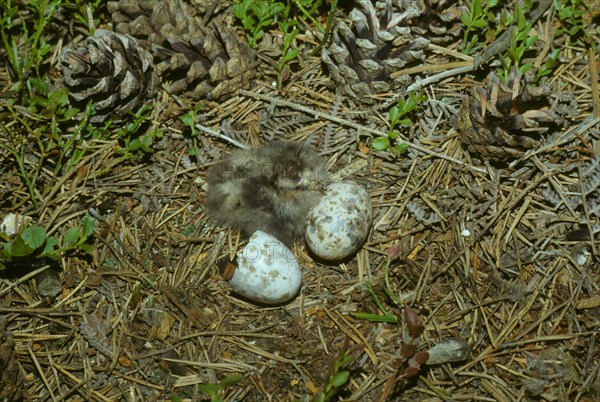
<point x="271" y="188"/>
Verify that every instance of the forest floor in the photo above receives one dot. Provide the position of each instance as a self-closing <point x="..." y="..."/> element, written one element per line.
<point x="489" y="247"/>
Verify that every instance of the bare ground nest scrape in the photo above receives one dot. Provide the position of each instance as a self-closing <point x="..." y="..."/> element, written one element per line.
<point x="483" y="236"/>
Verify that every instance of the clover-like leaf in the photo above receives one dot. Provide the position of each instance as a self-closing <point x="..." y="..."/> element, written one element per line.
<point x="339" y="378"/>
<point x="381" y="143"/>
<point x="34" y="236"/>
<point x="49" y="248"/>
<point x="188" y="119"/>
<point x="72" y="236"/>
<point x="230" y="380"/>
<point x="209" y="389"/>
<point x="87" y="225"/>
<point x="17" y="248"/>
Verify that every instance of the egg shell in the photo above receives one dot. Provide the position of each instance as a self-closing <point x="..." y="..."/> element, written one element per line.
<point x="267" y="271"/>
<point x="13" y="223"/>
<point x="339" y="224"/>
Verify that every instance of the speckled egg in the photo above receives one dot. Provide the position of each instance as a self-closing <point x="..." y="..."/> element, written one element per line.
<point x="339" y="224"/>
<point x="267" y="271"/>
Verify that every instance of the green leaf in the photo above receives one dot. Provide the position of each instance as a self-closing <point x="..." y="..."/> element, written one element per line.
<point x="17" y="248"/>
<point x="59" y="96"/>
<point x="287" y="40"/>
<point x="146" y="141"/>
<point x="86" y="248"/>
<point x="39" y="84"/>
<point x="466" y="19"/>
<point x="71" y="237"/>
<point x="277" y="8"/>
<point x="239" y="10"/>
<point x="291" y="55"/>
<point x="346" y="359"/>
<point x="320" y="397"/>
<point x="44" y="49"/>
<point x="34" y="236"/>
<point x="375" y="317"/>
<point x="394" y="115"/>
<point x="49" y="248"/>
<point x="71" y="112"/>
<point x="525" y="67"/>
<point x="531" y="40"/>
<point x="259" y="9"/>
<point x="480" y="24"/>
<point x="134" y="145"/>
<point x="88" y="225"/>
<point x="392" y="135"/>
<point x="381" y="143"/>
<point x="522" y="35"/>
<point x="476" y="9"/>
<point x="188" y="119"/>
<point x="339" y="378"/>
<point x="399" y="149"/>
<point x="209" y="389"/>
<point x="230" y="380"/>
<point x="405" y="122"/>
<point x="258" y="35"/>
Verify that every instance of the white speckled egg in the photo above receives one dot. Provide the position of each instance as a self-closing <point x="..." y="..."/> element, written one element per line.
<point x="267" y="271"/>
<point x="340" y="222"/>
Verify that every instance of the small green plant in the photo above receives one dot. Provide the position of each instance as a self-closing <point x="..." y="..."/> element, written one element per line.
<point x="408" y="363"/>
<point x="397" y="116"/>
<point x="34" y="242"/>
<point x="392" y="253"/>
<point x="572" y="15"/>
<point x="287" y="26"/>
<point x="26" y="52"/>
<point x="478" y="18"/>
<point x="137" y="145"/>
<point x="548" y="66"/>
<point x="338" y="376"/>
<point x="88" y="13"/>
<point x="189" y="119"/>
<point x="309" y="8"/>
<point x="256" y="15"/>
<point x="520" y="42"/>
<point x="215" y="391"/>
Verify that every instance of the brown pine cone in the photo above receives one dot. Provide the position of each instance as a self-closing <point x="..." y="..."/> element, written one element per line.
<point x="201" y="60"/>
<point x="213" y="64"/>
<point x="153" y="20"/>
<point x="113" y="71"/>
<point x="501" y="122"/>
<point x="362" y="58"/>
<point x="439" y="20"/>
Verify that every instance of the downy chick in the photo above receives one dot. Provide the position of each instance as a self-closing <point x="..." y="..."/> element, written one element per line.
<point x="271" y="188"/>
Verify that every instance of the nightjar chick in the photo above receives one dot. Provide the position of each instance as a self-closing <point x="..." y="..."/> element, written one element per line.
<point x="271" y="188"/>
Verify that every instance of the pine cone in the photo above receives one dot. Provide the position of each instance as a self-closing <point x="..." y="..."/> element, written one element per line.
<point x="362" y="59"/>
<point x="153" y="20"/>
<point x="113" y="71"/>
<point x="213" y="64"/>
<point x="439" y="20"/>
<point x="501" y="122"/>
<point x="202" y="61"/>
